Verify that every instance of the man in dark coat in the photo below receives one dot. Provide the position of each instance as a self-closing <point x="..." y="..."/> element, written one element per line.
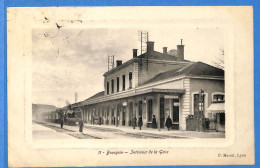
<point x="140" y="122"/>
<point x="92" y="119"/>
<point x="154" y="125"/>
<point x="134" y="122"/>
<point x="100" y="120"/>
<point x="207" y="122"/>
<point x="61" y="121"/>
<point x="81" y="124"/>
<point x="168" y="123"/>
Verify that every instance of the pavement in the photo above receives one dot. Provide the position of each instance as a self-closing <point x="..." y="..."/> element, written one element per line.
<point x="122" y="132"/>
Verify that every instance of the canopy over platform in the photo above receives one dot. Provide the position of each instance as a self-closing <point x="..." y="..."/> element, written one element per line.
<point x="216" y="107"/>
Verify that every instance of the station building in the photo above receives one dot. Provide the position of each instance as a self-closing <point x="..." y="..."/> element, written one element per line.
<point x="154" y="83"/>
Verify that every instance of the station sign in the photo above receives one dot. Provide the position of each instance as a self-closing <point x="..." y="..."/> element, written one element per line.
<point x="171" y="97"/>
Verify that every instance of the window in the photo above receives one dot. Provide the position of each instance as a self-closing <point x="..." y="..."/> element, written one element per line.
<point x="150" y="109"/>
<point x="117" y="84"/>
<point x="112" y="86"/>
<point x="218" y="97"/>
<point x="107" y="88"/>
<point x="199" y="102"/>
<point x="222" y="118"/>
<point x="123" y="79"/>
<point x="130" y="80"/>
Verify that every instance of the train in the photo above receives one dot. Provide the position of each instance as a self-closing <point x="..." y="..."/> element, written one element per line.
<point x="70" y="116"/>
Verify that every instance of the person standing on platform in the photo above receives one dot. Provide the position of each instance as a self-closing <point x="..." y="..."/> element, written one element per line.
<point x="140" y="122"/>
<point x="81" y="124"/>
<point x="93" y="120"/>
<point x="117" y="121"/>
<point x="154" y="124"/>
<point x="168" y="123"/>
<point x="134" y="122"/>
<point x="61" y="121"/>
<point x="207" y="122"/>
<point x="100" y="120"/>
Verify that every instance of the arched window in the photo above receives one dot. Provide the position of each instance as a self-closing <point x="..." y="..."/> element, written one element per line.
<point x="123" y="82"/>
<point x="117" y="84"/>
<point x="107" y="88"/>
<point x="130" y="80"/>
<point x="218" y="97"/>
<point x="112" y="86"/>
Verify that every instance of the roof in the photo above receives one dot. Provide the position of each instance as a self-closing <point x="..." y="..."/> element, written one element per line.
<point x="151" y="55"/>
<point x="158" y="55"/>
<point x="99" y="94"/>
<point x="192" y="69"/>
<point x="119" y="67"/>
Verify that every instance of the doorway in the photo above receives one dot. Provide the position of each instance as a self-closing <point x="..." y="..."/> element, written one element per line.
<point x="175" y="113"/>
<point x="162" y="117"/>
<point x="113" y="117"/>
<point x="130" y="114"/>
<point x="123" y="117"/>
<point x="140" y="108"/>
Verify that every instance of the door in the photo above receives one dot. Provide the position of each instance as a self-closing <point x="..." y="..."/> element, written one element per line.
<point x="118" y="114"/>
<point x="123" y="117"/>
<point x="162" y="118"/>
<point x="175" y="113"/>
<point x="130" y="114"/>
<point x="140" y="109"/>
<point x="113" y="117"/>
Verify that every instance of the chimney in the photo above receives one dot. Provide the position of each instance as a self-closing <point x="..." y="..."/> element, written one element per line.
<point x="164" y="50"/>
<point x="118" y="63"/>
<point x="134" y="53"/>
<point x="150" y="46"/>
<point x="180" y="52"/>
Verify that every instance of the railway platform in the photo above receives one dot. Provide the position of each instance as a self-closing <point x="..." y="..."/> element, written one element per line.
<point x="111" y="131"/>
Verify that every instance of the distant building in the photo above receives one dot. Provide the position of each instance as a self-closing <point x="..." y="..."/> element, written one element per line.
<point x="154" y="83"/>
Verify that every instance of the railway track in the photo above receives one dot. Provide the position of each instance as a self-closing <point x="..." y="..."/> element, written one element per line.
<point x="84" y="136"/>
<point x="70" y="132"/>
<point x="163" y="136"/>
<point x="100" y="133"/>
<point x="103" y="129"/>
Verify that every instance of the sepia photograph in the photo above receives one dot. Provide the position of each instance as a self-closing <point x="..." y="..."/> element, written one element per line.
<point x="130" y="86"/>
<point x="87" y="83"/>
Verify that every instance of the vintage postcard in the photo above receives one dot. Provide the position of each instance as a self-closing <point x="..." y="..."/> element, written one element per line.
<point x="130" y="86"/>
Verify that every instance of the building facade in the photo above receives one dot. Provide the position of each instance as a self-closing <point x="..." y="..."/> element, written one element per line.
<point x="154" y="83"/>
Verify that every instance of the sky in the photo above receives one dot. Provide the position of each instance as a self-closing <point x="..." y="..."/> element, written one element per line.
<point x="70" y="60"/>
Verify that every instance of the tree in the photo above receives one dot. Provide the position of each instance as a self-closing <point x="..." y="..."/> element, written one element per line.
<point x="219" y="63"/>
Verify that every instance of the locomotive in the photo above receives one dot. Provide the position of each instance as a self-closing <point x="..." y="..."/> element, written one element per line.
<point x="70" y="116"/>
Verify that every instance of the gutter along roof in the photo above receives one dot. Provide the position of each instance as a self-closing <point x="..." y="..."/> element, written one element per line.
<point x="130" y="93"/>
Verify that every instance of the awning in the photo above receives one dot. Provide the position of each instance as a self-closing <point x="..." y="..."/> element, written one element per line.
<point x="216" y="108"/>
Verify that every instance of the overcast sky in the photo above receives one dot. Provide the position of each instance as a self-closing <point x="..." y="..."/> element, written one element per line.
<point x="66" y="61"/>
